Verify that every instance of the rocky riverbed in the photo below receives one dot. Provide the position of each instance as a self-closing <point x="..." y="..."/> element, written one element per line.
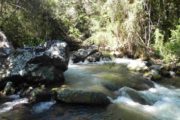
<point x="84" y="83"/>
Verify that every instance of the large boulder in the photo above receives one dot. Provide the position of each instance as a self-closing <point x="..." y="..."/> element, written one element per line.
<point x="45" y="63"/>
<point x="75" y="96"/>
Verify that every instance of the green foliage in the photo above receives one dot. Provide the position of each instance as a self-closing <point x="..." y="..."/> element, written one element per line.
<point x="159" y="42"/>
<point x="117" y="26"/>
<point x="174" y="41"/>
<point x="164" y="15"/>
<point x="20" y="25"/>
<point x="32" y="22"/>
<point x="170" y="51"/>
<point x="124" y="25"/>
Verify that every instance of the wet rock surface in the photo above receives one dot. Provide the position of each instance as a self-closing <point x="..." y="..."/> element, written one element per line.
<point x="153" y="75"/>
<point x="89" y="54"/>
<point x="37" y="94"/>
<point x="132" y="94"/>
<point x="82" y="54"/>
<point x="44" y="63"/>
<point x="75" y="96"/>
<point x="26" y="70"/>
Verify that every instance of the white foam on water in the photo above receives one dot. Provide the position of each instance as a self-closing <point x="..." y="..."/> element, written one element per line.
<point x="124" y="61"/>
<point x="128" y="61"/>
<point x="126" y="100"/>
<point x="9" y="105"/>
<point x="43" y="106"/>
<point x="166" y="102"/>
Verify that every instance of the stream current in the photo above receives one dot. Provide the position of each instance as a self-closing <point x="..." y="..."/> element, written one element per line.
<point x="163" y="103"/>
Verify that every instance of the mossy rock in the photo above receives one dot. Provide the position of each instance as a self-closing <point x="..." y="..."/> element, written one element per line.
<point x="40" y="94"/>
<point x="75" y="96"/>
<point x="153" y="75"/>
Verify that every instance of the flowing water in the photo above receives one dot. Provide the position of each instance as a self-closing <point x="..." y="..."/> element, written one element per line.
<point x="165" y="104"/>
<point x="161" y="103"/>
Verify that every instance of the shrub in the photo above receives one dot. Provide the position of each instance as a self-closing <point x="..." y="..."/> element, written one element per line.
<point x="170" y="50"/>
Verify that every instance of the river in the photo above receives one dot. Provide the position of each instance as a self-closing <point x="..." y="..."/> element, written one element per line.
<point x="159" y="102"/>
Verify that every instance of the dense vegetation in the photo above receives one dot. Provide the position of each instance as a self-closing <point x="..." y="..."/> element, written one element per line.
<point x="135" y="27"/>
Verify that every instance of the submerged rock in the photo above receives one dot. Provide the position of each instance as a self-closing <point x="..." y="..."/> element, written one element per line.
<point x="133" y="94"/>
<point x="113" y="81"/>
<point x="75" y="96"/>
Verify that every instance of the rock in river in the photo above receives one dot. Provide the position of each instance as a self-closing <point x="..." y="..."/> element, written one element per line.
<point x="82" y="54"/>
<point x="133" y="94"/>
<point x="76" y="96"/>
<point x="45" y="63"/>
<point x="153" y="75"/>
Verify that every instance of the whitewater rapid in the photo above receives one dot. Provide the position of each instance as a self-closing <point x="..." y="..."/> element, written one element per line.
<point x="164" y="102"/>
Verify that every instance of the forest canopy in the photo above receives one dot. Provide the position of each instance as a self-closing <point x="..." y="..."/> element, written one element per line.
<point x="135" y="27"/>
